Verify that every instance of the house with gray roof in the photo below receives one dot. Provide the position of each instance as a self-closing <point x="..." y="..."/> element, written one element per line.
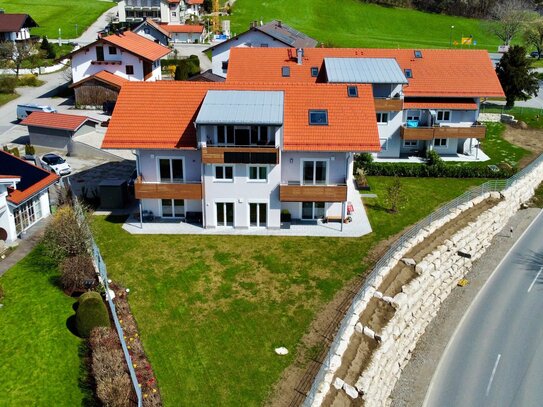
<point x="274" y="34"/>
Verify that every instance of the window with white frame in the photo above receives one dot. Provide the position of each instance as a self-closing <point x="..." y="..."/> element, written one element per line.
<point x="314" y="172"/>
<point x="410" y="143"/>
<point x="171" y="170"/>
<point x="382" y="117"/>
<point x="224" y="173"/>
<point x="443" y="116"/>
<point x="173" y="208"/>
<point x="258" y="173"/>
<point x="27" y="214"/>
<point x="440" y="142"/>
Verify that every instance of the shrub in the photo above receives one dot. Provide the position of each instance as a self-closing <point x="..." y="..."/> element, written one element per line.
<point x="395" y="195"/>
<point x="75" y="271"/>
<point x="90" y="313"/>
<point x="64" y="236"/>
<point x="433" y="158"/>
<point x="48" y="48"/>
<point x="184" y="68"/>
<point x="29" y="80"/>
<point x="436" y="171"/>
<point x="114" y="391"/>
<point x="29" y="149"/>
<point x="8" y="83"/>
<point x="15" y="152"/>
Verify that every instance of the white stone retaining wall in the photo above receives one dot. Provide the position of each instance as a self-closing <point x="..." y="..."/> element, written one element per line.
<point x="419" y="301"/>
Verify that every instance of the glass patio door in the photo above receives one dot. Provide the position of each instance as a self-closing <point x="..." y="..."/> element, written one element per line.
<point x="173" y="208"/>
<point x="258" y="214"/>
<point x="225" y="213"/>
<point x="312" y="210"/>
<point x="314" y="172"/>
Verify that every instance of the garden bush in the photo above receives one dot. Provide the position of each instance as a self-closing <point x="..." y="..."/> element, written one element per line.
<point x="184" y="68"/>
<point x="29" y="149"/>
<point x="8" y="83"/>
<point x="29" y="80"/>
<point x="91" y="313"/>
<point x="64" y="236"/>
<point x="75" y="271"/>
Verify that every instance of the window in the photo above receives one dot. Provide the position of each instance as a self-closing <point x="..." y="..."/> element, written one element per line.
<point x="410" y="143"/>
<point x="257" y="214"/>
<point x="130" y="69"/>
<point x="314" y="71"/>
<point x="312" y="210"/>
<point x="258" y="173"/>
<point x="408" y="73"/>
<point x="99" y="53"/>
<point x="263" y="45"/>
<point x="443" y="115"/>
<point x="112" y="51"/>
<point x="225" y="213"/>
<point x="314" y="172"/>
<point x="384" y="144"/>
<point x="440" y="142"/>
<point x="27" y="214"/>
<point x="418" y="53"/>
<point x="382" y="117"/>
<point x="174" y="14"/>
<point x="173" y="208"/>
<point x="285" y="71"/>
<point x="171" y="169"/>
<point x="352" y="91"/>
<point x="259" y="135"/>
<point x="225" y="65"/>
<point x="318" y="117"/>
<point x="224" y="173"/>
<point x="413" y="115"/>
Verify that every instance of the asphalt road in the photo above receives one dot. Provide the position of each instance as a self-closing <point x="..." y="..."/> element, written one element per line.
<point x="495" y="357"/>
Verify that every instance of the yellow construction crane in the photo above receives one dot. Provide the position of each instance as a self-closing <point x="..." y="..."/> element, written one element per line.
<point x="216" y="22"/>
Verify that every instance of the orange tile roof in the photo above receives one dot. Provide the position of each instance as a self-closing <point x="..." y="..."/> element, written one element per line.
<point x="56" y="120"/>
<point x="195" y="1"/>
<point x="440" y="103"/>
<point x="183" y="28"/>
<point x="32" y="179"/>
<point x="143" y="120"/>
<point x="103" y="76"/>
<point x="138" y="45"/>
<point x="439" y="73"/>
<point x="152" y="23"/>
<point x="9" y="176"/>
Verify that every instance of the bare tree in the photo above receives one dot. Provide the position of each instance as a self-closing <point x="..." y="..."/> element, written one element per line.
<point x="533" y="35"/>
<point x="508" y="17"/>
<point x="14" y="54"/>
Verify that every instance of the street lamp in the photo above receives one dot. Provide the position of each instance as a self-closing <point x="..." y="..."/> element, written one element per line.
<point x="450" y="41"/>
<point x="59" y="37"/>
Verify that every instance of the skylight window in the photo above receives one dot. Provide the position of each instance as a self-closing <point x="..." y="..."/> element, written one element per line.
<point x="418" y="54"/>
<point x="318" y="117"/>
<point x="352" y="91"/>
<point x="314" y="71"/>
<point x="285" y="71"/>
<point x="408" y="73"/>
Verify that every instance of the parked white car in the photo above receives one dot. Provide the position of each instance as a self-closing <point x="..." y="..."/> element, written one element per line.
<point x="56" y="164"/>
<point x="24" y="110"/>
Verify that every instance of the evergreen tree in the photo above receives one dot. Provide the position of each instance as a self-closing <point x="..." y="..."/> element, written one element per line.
<point x="514" y="74"/>
<point x="47" y="47"/>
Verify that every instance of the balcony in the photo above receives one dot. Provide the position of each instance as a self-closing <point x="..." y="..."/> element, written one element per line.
<point x="295" y="192"/>
<point x="428" y="133"/>
<point x="167" y="190"/>
<point x="240" y="155"/>
<point x="388" y="104"/>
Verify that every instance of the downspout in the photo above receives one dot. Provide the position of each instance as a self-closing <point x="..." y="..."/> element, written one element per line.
<point x="138" y="174"/>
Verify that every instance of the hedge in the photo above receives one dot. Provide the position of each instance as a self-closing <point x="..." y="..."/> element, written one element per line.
<point x="435" y="171"/>
<point x="91" y="313"/>
<point x="184" y="68"/>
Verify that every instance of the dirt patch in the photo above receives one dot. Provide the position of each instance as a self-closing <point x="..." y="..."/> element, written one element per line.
<point x="529" y="139"/>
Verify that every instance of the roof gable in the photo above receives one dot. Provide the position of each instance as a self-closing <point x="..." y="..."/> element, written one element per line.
<point x="59" y="121"/>
<point x="14" y="22"/>
<point x="149" y="22"/>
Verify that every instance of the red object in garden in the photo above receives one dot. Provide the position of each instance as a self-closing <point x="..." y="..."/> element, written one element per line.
<point x="350" y="208"/>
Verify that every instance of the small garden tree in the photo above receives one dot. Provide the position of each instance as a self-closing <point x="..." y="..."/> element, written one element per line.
<point x="65" y="236"/>
<point x="75" y="272"/>
<point x="533" y="35"/>
<point x="395" y="195"/>
<point x="517" y="81"/>
<point x="47" y="48"/>
<point x="91" y="313"/>
<point x="14" y="55"/>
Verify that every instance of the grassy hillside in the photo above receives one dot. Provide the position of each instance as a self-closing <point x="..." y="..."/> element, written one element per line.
<point x="54" y="14"/>
<point x="351" y="23"/>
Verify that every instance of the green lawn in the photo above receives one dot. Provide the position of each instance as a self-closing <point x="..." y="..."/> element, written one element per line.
<point x="7" y="97"/>
<point x="533" y="117"/>
<point x="211" y="309"/>
<point x="353" y="23"/>
<point x="54" y="14"/>
<point x="500" y="150"/>
<point x="40" y="362"/>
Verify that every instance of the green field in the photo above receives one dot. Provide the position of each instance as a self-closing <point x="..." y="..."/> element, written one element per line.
<point x="54" y="14"/>
<point x="211" y="309"/>
<point x="353" y="23"/>
<point x="40" y="364"/>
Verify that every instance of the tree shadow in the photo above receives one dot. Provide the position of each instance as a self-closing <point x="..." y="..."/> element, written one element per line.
<point x="116" y="219"/>
<point x="71" y="325"/>
<point x="532" y="262"/>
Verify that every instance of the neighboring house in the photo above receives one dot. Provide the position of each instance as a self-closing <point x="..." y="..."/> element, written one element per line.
<point x="424" y="99"/>
<point x="95" y="90"/>
<point x="153" y="31"/>
<point x="57" y="130"/>
<point x="162" y="11"/>
<point x="185" y="33"/>
<point x="207" y="76"/>
<point x="274" y="34"/>
<point x="15" y="27"/>
<point x="24" y="196"/>
<point x="237" y="155"/>
<point x="126" y="55"/>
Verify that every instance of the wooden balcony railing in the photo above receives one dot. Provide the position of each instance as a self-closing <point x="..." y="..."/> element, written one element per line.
<point x="240" y="155"/>
<point x="388" y="104"/>
<point x="167" y="190"/>
<point x="313" y="193"/>
<point x="429" y="133"/>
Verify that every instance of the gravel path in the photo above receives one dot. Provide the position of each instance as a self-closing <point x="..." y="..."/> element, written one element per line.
<point x="413" y="384"/>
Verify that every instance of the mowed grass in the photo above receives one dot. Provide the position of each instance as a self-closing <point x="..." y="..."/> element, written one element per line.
<point x="54" y="14"/>
<point x="211" y="309"/>
<point x="353" y="23"/>
<point x="7" y="97"/>
<point x="531" y="116"/>
<point x="40" y="364"/>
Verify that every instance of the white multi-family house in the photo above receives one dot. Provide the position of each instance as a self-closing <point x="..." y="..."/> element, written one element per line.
<point x="15" y="27"/>
<point x="114" y="59"/>
<point x="162" y="11"/>
<point x="24" y="196"/>
<point x="274" y="34"/>
<point x="238" y="155"/>
<point x="423" y="99"/>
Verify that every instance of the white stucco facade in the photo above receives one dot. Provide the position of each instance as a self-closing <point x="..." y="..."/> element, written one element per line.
<point x="159" y="10"/>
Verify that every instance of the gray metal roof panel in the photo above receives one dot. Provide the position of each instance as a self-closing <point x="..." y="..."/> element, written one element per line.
<point x="363" y="70"/>
<point x="241" y="107"/>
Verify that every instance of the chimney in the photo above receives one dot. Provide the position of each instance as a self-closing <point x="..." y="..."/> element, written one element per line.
<point x="299" y="55"/>
<point x="279" y="23"/>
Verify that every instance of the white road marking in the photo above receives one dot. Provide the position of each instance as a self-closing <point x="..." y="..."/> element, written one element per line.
<point x="493" y="373"/>
<point x="535" y="279"/>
